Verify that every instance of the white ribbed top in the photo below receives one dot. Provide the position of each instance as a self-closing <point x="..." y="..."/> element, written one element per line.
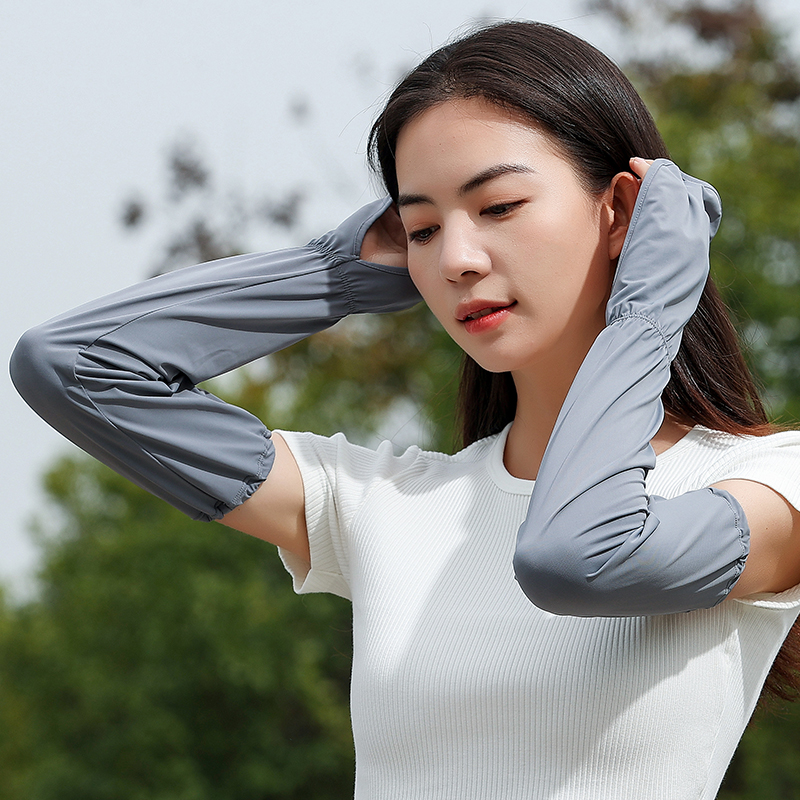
<point x="463" y="689"/>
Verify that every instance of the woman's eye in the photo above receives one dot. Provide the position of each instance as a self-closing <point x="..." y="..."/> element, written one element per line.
<point x="422" y="235"/>
<point x="500" y="209"/>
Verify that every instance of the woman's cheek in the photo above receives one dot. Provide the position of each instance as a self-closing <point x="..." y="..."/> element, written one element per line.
<point x="430" y="291"/>
<point x="418" y="273"/>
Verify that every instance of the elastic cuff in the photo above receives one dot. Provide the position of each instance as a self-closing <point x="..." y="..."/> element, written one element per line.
<point x="251" y="483"/>
<point x="743" y="531"/>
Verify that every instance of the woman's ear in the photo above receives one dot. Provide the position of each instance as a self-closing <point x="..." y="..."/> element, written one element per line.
<point x="622" y="193"/>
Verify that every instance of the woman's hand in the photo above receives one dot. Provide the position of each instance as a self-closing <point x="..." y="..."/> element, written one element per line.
<point x="385" y="242"/>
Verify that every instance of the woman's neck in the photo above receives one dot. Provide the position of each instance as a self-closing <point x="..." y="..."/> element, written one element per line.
<point x="538" y="404"/>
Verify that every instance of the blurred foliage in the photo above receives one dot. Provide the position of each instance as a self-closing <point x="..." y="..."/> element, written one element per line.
<point x="767" y="763"/>
<point x="169" y="659"/>
<point x="728" y="105"/>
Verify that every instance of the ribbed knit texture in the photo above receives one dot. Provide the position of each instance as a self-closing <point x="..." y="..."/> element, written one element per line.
<point x="463" y="689"/>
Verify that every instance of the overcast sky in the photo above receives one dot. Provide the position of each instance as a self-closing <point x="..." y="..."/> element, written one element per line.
<point x="94" y="93"/>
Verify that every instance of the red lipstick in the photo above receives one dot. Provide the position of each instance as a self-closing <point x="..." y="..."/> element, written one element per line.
<point x="483" y="316"/>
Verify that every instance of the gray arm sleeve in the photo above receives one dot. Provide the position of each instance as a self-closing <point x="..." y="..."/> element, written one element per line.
<point x="118" y="376"/>
<point x="594" y="543"/>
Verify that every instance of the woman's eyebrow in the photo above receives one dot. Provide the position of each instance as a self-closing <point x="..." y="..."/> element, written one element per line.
<point x="412" y="200"/>
<point x="490" y="173"/>
<point x="494" y="172"/>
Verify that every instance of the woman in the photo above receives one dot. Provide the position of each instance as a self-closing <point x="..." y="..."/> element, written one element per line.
<point x="566" y="270"/>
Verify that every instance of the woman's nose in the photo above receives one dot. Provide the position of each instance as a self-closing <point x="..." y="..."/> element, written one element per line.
<point x="462" y="254"/>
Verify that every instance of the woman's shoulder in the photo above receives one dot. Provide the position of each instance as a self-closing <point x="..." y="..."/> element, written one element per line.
<point x="386" y="457"/>
<point x="705" y="456"/>
<point x="703" y="444"/>
<point x="720" y="447"/>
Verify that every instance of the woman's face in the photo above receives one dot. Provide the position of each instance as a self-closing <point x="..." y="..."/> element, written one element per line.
<point x="507" y="248"/>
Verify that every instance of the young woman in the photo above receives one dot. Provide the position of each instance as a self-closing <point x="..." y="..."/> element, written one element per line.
<point x="586" y="600"/>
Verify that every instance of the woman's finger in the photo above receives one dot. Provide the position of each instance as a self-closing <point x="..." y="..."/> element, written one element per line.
<point x="640" y="165"/>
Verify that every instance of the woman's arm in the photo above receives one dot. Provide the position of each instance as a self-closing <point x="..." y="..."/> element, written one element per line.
<point x="276" y="510"/>
<point x="594" y="543"/>
<point x="773" y="564"/>
<point x="119" y="376"/>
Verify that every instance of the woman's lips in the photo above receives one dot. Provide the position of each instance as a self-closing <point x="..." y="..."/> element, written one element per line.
<point x="486" y="319"/>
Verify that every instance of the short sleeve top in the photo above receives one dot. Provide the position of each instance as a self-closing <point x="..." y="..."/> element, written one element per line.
<point x="463" y="688"/>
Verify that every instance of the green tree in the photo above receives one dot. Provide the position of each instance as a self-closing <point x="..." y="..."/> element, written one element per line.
<point x="168" y="659"/>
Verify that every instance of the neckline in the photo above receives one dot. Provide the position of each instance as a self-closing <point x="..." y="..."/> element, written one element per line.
<point x="509" y="483"/>
<point x="497" y="469"/>
<point x="685" y="441"/>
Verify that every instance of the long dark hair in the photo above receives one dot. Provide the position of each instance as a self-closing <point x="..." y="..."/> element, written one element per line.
<point x="574" y="93"/>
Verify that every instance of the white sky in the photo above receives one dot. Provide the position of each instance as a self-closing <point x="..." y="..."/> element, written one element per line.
<point x="93" y="93"/>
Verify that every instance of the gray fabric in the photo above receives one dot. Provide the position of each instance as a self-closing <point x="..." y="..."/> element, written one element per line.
<point x="593" y="542"/>
<point x="118" y="376"/>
